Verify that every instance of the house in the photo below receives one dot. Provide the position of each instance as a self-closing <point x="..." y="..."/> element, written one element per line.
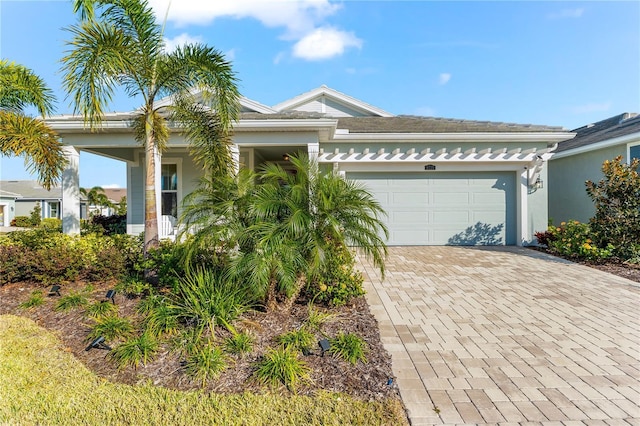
<point x="441" y="181"/>
<point x="27" y="194"/>
<point x="580" y="159"/>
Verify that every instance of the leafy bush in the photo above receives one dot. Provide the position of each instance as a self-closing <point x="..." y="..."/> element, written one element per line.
<point x="111" y="327"/>
<point x="135" y="351"/>
<point x="133" y="287"/>
<point x="300" y="339"/>
<point x="338" y="281"/>
<point x="239" y="343"/>
<point x="21" y="221"/>
<point x="349" y="347"/>
<point x="544" y="238"/>
<point x="114" y="224"/>
<point x="206" y="362"/>
<point x="52" y="223"/>
<point x="617" y="201"/>
<point x="35" y="217"/>
<point x="574" y="240"/>
<point x="282" y="366"/>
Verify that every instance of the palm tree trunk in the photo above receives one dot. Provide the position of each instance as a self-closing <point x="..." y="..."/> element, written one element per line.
<point x="272" y="302"/>
<point x="300" y="282"/>
<point x="151" y="210"/>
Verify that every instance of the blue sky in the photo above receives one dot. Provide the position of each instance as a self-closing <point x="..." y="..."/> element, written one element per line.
<point x="555" y="63"/>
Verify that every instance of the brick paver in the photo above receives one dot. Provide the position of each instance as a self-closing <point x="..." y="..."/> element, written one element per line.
<point x="508" y="335"/>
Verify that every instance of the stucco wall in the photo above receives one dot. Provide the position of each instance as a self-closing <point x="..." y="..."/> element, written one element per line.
<point x="538" y="207"/>
<point x="568" y="199"/>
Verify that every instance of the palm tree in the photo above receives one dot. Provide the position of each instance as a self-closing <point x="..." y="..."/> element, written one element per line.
<point x="96" y="197"/>
<point x="119" y="44"/>
<point x="297" y="219"/>
<point x="22" y="135"/>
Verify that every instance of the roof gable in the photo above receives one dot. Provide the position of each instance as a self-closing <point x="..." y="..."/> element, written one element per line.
<point x="332" y="103"/>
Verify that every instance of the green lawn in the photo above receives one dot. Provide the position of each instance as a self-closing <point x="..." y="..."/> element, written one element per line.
<point x="41" y="383"/>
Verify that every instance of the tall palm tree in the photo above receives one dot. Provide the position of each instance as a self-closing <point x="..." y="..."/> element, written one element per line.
<point x="118" y="43"/>
<point x="22" y="135"/>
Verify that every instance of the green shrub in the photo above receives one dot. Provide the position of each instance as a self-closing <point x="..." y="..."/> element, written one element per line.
<point x="316" y="318"/>
<point x="300" y="339"/>
<point x="575" y="240"/>
<point x="35" y="217"/>
<point x="52" y="223"/>
<point x="349" y="347"/>
<point x="339" y="281"/>
<point x="240" y="343"/>
<point x="16" y="262"/>
<point x="617" y="202"/>
<point x="100" y="309"/>
<point x="205" y="299"/>
<point x="111" y="327"/>
<point x="206" y="363"/>
<point x="135" y="351"/>
<point x="161" y="317"/>
<point x="36" y="299"/>
<point x="133" y="287"/>
<point x="282" y="366"/>
<point x="71" y="301"/>
<point x="21" y="221"/>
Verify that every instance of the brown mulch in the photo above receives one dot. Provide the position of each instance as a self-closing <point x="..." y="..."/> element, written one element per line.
<point x="366" y="381"/>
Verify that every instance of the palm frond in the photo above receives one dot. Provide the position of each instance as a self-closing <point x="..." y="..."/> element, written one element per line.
<point x="38" y="143"/>
<point x="20" y="87"/>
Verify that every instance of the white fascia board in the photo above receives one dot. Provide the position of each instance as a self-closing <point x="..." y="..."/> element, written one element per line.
<point x="632" y="137"/>
<point x="549" y="137"/>
<point x="286" y="124"/>
<point x="326" y="91"/>
<point x="256" y="106"/>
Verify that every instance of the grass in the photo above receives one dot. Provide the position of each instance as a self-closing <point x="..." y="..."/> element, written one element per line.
<point x="282" y="366"/>
<point x="349" y="347"/>
<point x="300" y="339"/>
<point x="36" y="299"/>
<point x="71" y="301"/>
<point x="135" y="351"/>
<point x="41" y="383"/>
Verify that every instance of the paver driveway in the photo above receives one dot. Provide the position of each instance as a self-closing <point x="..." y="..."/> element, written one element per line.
<point x="508" y="336"/>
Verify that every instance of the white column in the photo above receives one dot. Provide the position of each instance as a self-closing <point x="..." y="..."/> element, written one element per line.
<point x="158" y="173"/>
<point x="235" y="156"/>
<point x="523" y="209"/>
<point x="71" y="192"/>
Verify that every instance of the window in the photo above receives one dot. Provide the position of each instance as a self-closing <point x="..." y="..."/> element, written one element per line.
<point x="634" y="152"/>
<point x="54" y="210"/>
<point x="169" y="187"/>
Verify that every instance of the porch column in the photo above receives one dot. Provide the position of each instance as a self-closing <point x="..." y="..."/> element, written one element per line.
<point x="235" y="156"/>
<point x="313" y="150"/>
<point x="158" y="173"/>
<point x="71" y="192"/>
<point x="522" y="180"/>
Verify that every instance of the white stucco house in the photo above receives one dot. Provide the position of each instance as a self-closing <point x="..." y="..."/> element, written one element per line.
<point x="441" y="181"/>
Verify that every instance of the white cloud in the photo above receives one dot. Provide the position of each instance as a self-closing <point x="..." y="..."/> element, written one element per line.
<point x="303" y="21"/>
<point x="444" y="78"/>
<point x="592" y="107"/>
<point x="181" y="40"/>
<point x="279" y="57"/>
<point x="325" y="43"/>
<point x="567" y="13"/>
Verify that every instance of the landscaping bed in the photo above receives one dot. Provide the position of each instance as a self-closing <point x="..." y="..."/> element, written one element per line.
<point x="365" y="381"/>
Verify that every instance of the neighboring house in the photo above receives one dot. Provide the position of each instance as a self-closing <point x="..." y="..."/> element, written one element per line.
<point x="20" y="197"/>
<point x="114" y="195"/>
<point x="580" y="159"/>
<point x="29" y="194"/>
<point x="441" y="181"/>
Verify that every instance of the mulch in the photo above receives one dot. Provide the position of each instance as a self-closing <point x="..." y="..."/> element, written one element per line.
<point x="365" y="381"/>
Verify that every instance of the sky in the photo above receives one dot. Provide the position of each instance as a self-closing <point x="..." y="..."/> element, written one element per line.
<point x="553" y="63"/>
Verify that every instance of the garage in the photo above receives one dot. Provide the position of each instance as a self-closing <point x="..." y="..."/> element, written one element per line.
<point x="445" y="208"/>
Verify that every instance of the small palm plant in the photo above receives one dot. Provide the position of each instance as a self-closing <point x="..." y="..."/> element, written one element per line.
<point x="349" y="347"/>
<point x="135" y="351"/>
<point x="282" y="366"/>
<point x="111" y="327"/>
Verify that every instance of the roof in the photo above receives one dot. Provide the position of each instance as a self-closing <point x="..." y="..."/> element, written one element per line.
<point x="30" y="189"/>
<point x="610" y="128"/>
<point x="115" y="194"/>
<point x="416" y="124"/>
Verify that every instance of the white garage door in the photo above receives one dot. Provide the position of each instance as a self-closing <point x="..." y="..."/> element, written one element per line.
<point x="475" y="208"/>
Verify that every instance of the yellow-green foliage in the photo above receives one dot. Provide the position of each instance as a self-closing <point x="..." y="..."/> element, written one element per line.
<point x="41" y="383"/>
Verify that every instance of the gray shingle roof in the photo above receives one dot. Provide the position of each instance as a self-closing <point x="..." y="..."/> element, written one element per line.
<point x="30" y="189"/>
<point x="612" y="127"/>
<point x="416" y="124"/>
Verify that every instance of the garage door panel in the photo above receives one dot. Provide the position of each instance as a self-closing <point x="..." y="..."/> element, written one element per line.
<point x="445" y="208"/>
